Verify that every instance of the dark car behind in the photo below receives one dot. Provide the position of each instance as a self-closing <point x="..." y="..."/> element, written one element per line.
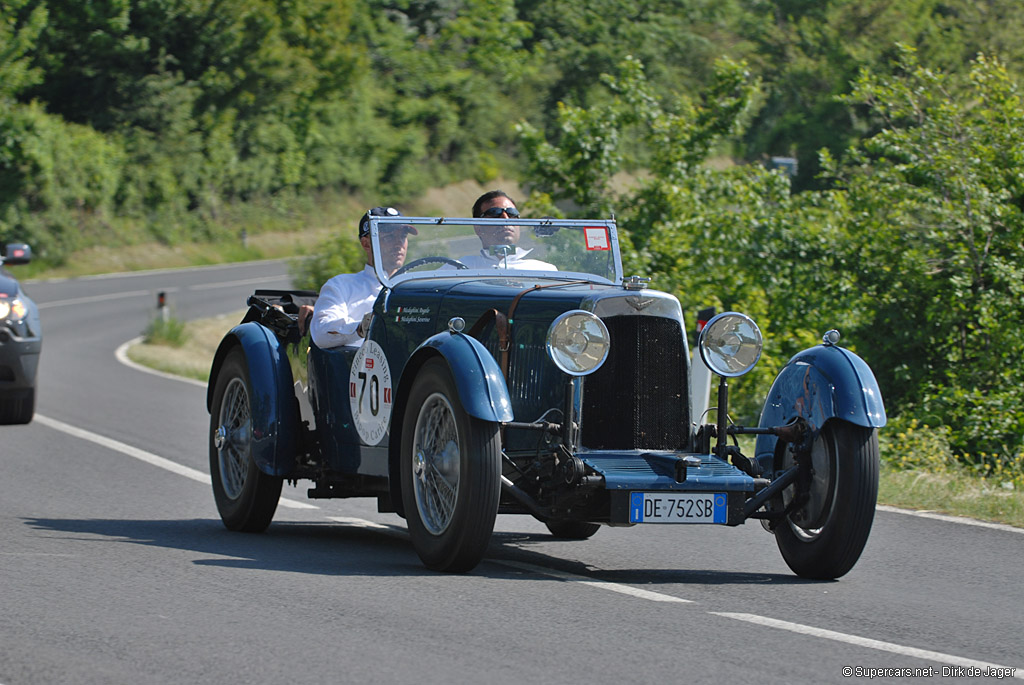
<point x="21" y="340"/>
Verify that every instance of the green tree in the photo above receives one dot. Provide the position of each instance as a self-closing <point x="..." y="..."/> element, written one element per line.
<point x="735" y="238"/>
<point x="936" y="232"/>
<point x="20" y="26"/>
<point x="450" y="79"/>
<point x="808" y="53"/>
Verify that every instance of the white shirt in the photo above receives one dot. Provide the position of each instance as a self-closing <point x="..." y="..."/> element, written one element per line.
<point x="344" y="301"/>
<point x="485" y="260"/>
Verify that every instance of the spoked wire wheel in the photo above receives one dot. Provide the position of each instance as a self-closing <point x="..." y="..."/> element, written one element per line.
<point x="246" y="497"/>
<point x="436" y="463"/>
<point x="233" y="438"/>
<point x="450" y="473"/>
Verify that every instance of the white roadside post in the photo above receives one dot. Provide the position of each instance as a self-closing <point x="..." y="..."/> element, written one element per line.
<point x="161" y="305"/>
<point x="700" y="374"/>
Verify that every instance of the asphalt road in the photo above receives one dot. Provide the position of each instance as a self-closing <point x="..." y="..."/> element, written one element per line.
<point x="115" y="568"/>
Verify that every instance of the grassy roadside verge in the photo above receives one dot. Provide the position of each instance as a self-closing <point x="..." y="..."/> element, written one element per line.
<point x="193" y="357"/>
<point x="270" y="233"/>
<point x="954" y="494"/>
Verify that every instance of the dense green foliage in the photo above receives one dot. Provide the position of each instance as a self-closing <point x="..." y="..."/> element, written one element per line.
<point x="936" y="231"/>
<point x="915" y="249"/>
<point x="128" y="121"/>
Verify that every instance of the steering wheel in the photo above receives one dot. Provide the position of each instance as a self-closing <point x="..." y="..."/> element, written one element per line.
<point x="430" y="260"/>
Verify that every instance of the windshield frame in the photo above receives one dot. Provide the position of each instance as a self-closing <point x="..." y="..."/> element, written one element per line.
<point x="376" y="222"/>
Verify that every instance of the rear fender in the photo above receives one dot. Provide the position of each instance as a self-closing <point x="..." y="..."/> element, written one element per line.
<point x="273" y="406"/>
<point x="818" y="384"/>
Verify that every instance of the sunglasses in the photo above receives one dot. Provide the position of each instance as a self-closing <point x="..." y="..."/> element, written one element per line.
<point x="496" y="212"/>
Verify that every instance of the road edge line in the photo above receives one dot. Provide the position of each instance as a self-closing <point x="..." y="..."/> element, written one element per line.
<point x="870" y="643"/>
<point x="121" y="353"/>
<point x="144" y="456"/>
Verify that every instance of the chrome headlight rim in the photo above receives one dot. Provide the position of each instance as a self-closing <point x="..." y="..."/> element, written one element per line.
<point x="578" y="342"/>
<point x="730" y="344"/>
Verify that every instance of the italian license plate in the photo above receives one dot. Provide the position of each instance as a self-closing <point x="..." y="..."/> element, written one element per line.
<point x="677" y="507"/>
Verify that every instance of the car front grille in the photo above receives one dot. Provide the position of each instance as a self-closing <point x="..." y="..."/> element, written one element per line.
<point x="638" y="399"/>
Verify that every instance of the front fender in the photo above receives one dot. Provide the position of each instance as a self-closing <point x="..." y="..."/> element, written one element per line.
<point x="272" y="402"/>
<point x="481" y="385"/>
<point x="819" y="384"/>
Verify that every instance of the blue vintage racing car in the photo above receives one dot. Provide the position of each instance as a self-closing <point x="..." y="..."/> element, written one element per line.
<point x="533" y="378"/>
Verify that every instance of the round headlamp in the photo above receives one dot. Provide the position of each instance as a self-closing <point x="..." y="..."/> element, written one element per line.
<point x="578" y="342"/>
<point x="14" y="308"/>
<point x="730" y="344"/>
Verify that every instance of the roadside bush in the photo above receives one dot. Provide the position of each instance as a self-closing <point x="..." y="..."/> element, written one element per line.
<point x="341" y="254"/>
<point x="907" y="445"/>
<point x="57" y="180"/>
<point x="169" y="332"/>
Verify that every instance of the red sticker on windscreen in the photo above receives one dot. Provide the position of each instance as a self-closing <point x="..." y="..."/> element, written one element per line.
<point x="596" y="237"/>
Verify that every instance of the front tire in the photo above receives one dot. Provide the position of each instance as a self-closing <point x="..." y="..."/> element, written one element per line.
<point x="451" y="473"/>
<point x="246" y="497"/>
<point x="824" y="538"/>
<point x="18" y="407"/>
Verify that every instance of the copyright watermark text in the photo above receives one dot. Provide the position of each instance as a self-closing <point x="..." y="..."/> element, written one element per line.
<point x="870" y="672"/>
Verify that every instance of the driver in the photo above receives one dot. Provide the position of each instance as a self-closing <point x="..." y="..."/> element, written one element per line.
<point x="345" y="301"/>
<point x="499" y="244"/>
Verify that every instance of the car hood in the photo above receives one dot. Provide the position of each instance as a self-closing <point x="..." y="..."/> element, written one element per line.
<point x="543" y="299"/>
<point x="8" y="286"/>
<point x="428" y="304"/>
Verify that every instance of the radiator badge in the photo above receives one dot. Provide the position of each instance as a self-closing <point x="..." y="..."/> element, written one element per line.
<point x="638" y="303"/>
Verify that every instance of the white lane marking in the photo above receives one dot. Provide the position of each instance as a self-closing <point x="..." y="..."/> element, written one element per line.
<point x="143" y="455"/>
<point x="600" y="584"/>
<point x="363" y="523"/>
<point x="950" y="519"/>
<point x="151" y="272"/>
<point x="893" y="648"/>
<point x="265" y="280"/>
<point x="98" y="298"/>
<point x="121" y="353"/>
<point x="561" y="575"/>
<point x="248" y="281"/>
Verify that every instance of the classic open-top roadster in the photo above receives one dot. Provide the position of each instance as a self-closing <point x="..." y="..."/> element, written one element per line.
<point x="532" y="377"/>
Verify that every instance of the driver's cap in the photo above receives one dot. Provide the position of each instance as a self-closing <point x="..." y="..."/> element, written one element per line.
<point x="364" y="223"/>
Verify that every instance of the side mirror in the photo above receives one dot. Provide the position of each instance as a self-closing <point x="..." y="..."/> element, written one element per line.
<point x="17" y="253"/>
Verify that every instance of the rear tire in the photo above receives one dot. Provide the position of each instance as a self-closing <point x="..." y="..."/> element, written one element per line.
<point x="451" y="473"/>
<point x="825" y="537"/>
<point x="246" y="497"/>
<point x="18" y="407"/>
<point x="571" y="530"/>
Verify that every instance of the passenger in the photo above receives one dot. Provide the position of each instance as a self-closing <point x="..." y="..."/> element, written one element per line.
<point x="500" y="244"/>
<point x="343" y="308"/>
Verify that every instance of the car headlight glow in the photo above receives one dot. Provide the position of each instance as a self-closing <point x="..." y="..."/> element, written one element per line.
<point x="730" y="344"/>
<point x="578" y="342"/>
<point x="14" y="309"/>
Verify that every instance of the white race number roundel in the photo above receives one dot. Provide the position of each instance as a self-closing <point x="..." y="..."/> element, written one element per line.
<point x="369" y="392"/>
